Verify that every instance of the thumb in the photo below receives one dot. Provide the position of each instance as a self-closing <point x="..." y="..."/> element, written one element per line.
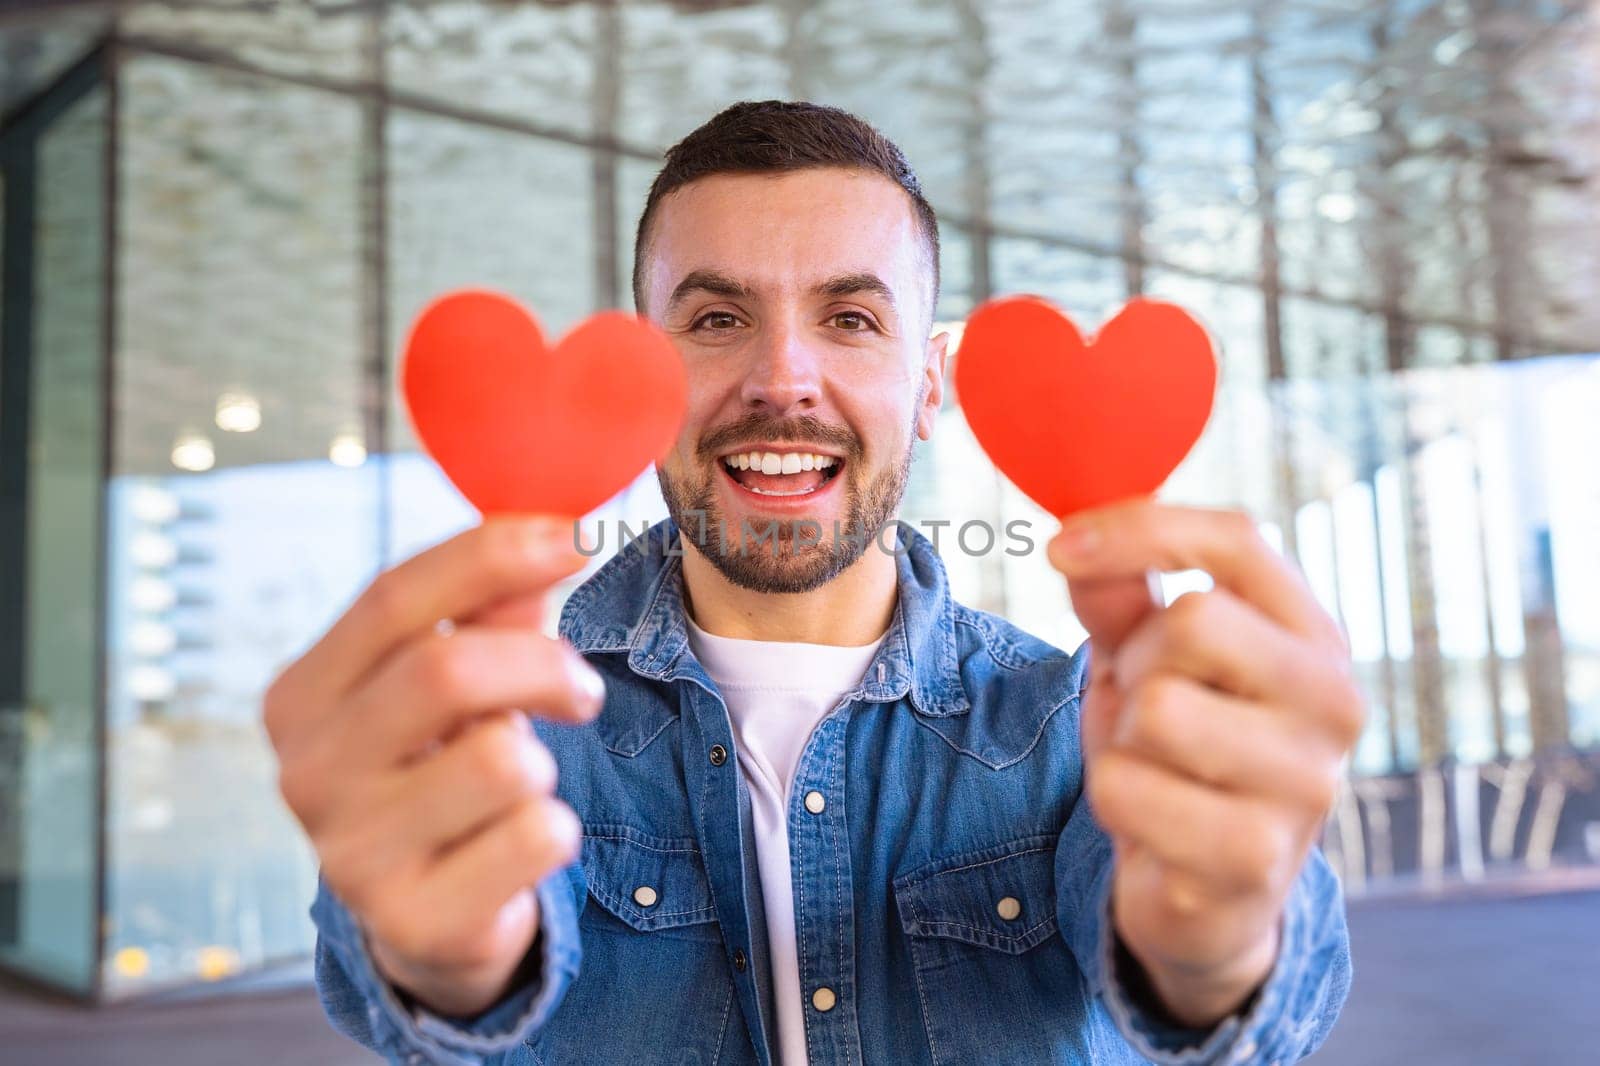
<point x="527" y="610"/>
<point x="1111" y="607"/>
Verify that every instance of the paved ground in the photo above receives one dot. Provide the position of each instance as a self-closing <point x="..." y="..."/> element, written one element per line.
<point x="1499" y="982"/>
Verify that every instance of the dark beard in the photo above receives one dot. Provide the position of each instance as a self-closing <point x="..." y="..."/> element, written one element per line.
<point x="786" y="555"/>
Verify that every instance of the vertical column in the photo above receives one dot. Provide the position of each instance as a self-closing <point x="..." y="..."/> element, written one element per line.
<point x="375" y="113"/>
<point x="1120" y="24"/>
<point x="975" y="159"/>
<point x="16" y="386"/>
<point x="606" y="104"/>
<point x="1263" y="152"/>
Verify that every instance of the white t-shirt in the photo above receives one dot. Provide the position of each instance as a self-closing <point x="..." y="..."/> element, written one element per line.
<point x="776" y="694"/>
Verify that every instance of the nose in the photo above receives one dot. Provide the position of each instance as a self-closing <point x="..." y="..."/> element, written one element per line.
<point x="784" y="376"/>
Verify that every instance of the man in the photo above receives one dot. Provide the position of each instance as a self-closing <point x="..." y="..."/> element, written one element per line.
<point x="808" y="808"/>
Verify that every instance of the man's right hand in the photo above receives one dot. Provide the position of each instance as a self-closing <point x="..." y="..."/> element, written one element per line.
<point x="407" y="756"/>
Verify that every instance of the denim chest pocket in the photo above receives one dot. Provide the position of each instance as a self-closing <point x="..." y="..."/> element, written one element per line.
<point x="654" y="966"/>
<point x="649" y="884"/>
<point x="991" y="971"/>
<point x="1005" y="903"/>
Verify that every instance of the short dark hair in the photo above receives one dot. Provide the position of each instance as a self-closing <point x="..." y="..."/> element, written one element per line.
<point x="776" y="136"/>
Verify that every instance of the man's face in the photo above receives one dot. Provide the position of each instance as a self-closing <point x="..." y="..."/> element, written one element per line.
<point x="800" y="304"/>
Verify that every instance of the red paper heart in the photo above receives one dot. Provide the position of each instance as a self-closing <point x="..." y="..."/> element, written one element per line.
<point x="1076" y="425"/>
<point x="521" y="428"/>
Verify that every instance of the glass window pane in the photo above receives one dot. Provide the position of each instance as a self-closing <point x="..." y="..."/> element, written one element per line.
<point x="49" y="760"/>
<point x="737" y="52"/>
<point x="244" y="515"/>
<point x="528" y="62"/>
<point x="298" y="38"/>
<point x="475" y="207"/>
<point x="1088" y="287"/>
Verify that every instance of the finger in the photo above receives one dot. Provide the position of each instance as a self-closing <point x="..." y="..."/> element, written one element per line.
<point x="1124" y="540"/>
<point x="526" y="612"/>
<point x="404" y="821"/>
<point x="1219" y="640"/>
<point x="1098" y="707"/>
<point x="497" y="560"/>
<point x="472" y="881"/>
<point x="1231" y="841"/>
<point x="487" y="770"/>
<point x="1109" y="608"/>
<point x="1228" y="744"/>
<point x="439" y="683"/>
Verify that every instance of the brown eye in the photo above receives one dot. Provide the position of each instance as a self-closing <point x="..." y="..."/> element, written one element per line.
<point x="716" y="320"/>
<point x="851" y="321"/>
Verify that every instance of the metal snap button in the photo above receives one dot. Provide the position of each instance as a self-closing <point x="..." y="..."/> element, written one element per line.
<point x="645" y="896"/>
<point x="1008" y="908"/>
<point x="719" y="755"/>
<point x="816" y="802"/>
<point x="823" y="998"/>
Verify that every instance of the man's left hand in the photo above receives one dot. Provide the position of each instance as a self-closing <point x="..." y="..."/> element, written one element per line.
<point x="1214" y="737"/>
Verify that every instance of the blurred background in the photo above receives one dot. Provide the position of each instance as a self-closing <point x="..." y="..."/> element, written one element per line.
<point x="220" y="216"/>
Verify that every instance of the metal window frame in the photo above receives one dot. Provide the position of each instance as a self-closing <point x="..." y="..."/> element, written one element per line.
<point x="19" y="138"/>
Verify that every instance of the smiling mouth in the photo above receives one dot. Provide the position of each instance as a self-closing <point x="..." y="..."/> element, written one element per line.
<point x="782" y="473"/>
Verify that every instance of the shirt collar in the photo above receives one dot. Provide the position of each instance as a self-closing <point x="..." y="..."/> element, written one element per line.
<point x="634" y="605"/>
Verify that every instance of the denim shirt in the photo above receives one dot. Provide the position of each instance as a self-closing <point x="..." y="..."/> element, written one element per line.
<point x="952" y="780"/>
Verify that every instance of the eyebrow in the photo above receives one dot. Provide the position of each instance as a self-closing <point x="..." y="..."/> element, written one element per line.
<point x="718" y="284"/>
<point x="852" y="284"/>
<point x="708" y="281"/>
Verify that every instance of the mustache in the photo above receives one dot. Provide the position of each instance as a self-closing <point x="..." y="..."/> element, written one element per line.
<point x="801" y="429"/>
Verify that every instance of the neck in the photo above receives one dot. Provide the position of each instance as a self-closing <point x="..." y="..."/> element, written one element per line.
<point x="851" y="610"/>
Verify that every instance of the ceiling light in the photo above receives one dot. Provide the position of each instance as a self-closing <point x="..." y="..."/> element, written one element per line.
<point x="347" y="449"/>
<point x="194" y="454"/>
<point x="153" y="551"/>
<point x="152" y="639"/>
<point x="238" y="413"/>
<point x="150" y="503"/>
<point x="151" y="594"/>
<point x="151" y="683"/>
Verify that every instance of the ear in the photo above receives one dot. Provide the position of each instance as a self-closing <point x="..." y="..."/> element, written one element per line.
<point x="933" y="384"/>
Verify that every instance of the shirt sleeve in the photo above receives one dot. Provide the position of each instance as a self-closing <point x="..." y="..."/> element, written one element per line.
<point x="1288" y="1018"/>
<point x="369" y="1010"/>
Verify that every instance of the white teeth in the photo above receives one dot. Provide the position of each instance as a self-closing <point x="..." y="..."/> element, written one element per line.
<point x="791" y="464"/>
<point x="771" y="463"/>
<point x="808" y="462"/>
<point x="755" y="461"/>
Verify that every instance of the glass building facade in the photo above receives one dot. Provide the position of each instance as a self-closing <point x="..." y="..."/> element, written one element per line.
<point x="220" y="217"/>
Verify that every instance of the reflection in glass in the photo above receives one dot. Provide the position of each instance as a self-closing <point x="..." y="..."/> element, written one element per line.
<point x="234" y="537"/>
<point x="476" y="208"/>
